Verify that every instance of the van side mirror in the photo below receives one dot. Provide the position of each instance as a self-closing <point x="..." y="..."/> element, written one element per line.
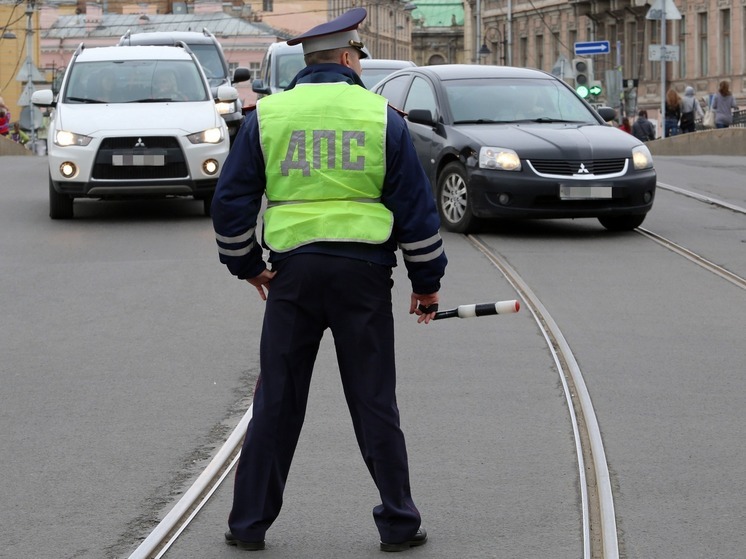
<point x="258" y="86"/>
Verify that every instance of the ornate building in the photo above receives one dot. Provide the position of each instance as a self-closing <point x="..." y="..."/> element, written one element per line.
<point x="709" y="36"/>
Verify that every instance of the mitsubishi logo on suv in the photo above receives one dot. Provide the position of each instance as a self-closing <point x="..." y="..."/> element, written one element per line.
<point x="582" y="169"/>
<point x="141" y="144"/>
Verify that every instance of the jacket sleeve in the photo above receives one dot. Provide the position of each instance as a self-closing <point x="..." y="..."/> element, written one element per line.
<point x="237" y="202"/>
<point x="407" y="193"/>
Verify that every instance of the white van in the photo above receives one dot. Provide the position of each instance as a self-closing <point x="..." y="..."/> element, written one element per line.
<point x="282" y="62"/>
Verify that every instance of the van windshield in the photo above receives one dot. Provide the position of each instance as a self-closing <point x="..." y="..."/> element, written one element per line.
<point x="211" y="63"/>
<point x="288" y="65"/>
<point x="135" y="81"/>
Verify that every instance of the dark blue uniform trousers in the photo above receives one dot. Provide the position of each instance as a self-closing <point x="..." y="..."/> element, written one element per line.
<point x="312" y="292"/>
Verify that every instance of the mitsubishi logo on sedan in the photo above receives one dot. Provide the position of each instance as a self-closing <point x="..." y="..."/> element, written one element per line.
<point x="582" y="169"/>
<point x="141" y="144"/>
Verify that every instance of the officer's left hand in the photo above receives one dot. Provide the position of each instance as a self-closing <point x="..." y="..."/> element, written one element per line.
<point x="261" y="282"/>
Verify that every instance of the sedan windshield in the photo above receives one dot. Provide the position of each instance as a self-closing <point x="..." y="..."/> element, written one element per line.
<point x="496" y="100"/>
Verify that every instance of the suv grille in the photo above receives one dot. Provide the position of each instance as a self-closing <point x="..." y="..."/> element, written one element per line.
<point x="175" y="164"/>
<point x="569" y="168"/>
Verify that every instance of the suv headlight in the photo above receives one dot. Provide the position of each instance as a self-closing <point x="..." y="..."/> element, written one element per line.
<point x="209" y="136"/>
<point x="641" y="158"/>
<point x="499" y="158"/>
<point x="64" y="138"/>
<point x="226" y="108"/>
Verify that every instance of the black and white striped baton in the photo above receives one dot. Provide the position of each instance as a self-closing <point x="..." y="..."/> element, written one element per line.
<point x="481" y="309"/>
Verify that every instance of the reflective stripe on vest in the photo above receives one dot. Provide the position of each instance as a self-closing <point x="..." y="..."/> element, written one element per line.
<point x="324" y="153"/>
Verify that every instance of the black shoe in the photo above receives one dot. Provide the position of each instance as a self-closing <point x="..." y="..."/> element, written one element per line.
<point x="418" y="539"/>
<point x="230" y="539"/>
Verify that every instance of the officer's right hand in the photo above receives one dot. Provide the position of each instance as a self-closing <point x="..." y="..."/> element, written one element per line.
<point x="261" y="282"/>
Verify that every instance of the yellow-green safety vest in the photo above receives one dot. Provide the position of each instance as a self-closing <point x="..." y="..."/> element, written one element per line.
<point x="325" y="162"/>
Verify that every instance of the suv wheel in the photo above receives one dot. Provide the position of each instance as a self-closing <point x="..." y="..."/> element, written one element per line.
<point x="60" y="205"/>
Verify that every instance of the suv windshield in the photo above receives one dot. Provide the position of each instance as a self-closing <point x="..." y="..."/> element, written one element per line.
<point x="514" y="100"/>
<point x="135" y="81"/>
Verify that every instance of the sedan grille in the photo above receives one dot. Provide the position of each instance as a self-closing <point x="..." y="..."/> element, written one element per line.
<point x="570" y="168"/>
<point x="165" y="148"/>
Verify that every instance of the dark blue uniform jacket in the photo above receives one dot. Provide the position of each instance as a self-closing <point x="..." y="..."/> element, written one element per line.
<point x="406" y="192"/>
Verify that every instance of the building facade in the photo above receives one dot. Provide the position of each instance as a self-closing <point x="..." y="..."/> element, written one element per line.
<point x="534" y="33"/>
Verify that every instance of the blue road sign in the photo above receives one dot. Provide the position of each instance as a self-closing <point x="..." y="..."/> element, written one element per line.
<point x="592" y="47"/>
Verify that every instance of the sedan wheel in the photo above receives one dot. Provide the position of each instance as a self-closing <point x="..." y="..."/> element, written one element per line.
<point x="621" y="222"/>
<point x="453" y="199"/>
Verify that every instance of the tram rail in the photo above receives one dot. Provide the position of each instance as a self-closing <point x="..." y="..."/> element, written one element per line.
<point x="690" y="255"/>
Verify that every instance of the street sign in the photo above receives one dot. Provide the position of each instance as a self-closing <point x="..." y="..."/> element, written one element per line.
<point x="667" y="53"/>
<point x="592" y="47"/>
<point x="656" y="10"/>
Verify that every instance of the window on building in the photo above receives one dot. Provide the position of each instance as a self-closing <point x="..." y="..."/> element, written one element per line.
<point x="267" y="5"/>
<point x="523" y="54"/>
<point x="539" y="56"/>
<point x="682" y="46"/>
<point x="654" y="27"/>
<point x="629" y="59"/>
<point x="555" y="46"/>
<point x="702" y="36"/>
<point x="725" y="41"/>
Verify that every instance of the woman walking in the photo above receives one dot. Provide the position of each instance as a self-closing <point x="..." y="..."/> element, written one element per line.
<point x="724" y="104"/>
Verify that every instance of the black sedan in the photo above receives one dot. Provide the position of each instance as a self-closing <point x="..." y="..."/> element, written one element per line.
<point x="516" y="143"/>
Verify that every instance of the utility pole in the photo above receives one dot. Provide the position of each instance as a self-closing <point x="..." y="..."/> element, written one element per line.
<point x="30" y="69"/>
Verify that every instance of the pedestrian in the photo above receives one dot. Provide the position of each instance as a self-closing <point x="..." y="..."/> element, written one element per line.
<point x="724" y="104"/>
<point x="4" y="118"/>
<point x="625" y="125"/>
<point x="643" y="129"/>
<point x="672" y="113"/>
<point x="690" y="110"/>
<point x="344" y="188"/>
<point x="19" y="135"/>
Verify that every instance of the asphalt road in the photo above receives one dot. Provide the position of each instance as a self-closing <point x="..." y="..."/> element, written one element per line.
<point x="129" y="354"/>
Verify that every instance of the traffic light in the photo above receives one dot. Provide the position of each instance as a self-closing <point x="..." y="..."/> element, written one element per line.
<point x="595" y="88"/>
<point x="583" y="71"/>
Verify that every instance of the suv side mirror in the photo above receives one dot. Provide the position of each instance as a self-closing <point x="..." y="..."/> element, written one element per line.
<point x="226" y="93"/>
<point x="241" y="74"/>
<point x="43" y="98"/>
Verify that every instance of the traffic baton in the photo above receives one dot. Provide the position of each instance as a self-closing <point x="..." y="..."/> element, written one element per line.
<point x="481" y="309"/>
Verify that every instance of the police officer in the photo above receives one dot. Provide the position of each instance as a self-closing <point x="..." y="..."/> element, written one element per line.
<point x="344" y="188"/>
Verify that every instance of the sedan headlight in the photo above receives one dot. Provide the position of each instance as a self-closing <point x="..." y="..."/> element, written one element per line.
<point x="641" y="158"/>
<point x="64" y="138"/>
<point x="499" y="158"/>
<point x="209" y="136"/>
<point x="226" y="108"/>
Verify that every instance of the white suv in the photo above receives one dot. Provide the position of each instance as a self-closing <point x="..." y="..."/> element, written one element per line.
<point x="134" y="122"/>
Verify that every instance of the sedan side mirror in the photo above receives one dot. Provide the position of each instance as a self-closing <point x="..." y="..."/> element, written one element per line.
<point x="421" y="116"/>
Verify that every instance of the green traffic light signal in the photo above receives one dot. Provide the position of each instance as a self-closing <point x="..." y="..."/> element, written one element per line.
<point x="595" y="90"/>
<point x="583" y="91"/>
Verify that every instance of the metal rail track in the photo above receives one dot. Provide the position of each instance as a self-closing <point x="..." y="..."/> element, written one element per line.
<point x="697" y="259"/>
<point x="598" y="517"/>
<point x="599" y="520"/>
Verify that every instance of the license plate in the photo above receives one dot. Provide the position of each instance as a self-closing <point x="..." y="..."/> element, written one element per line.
<point x="138" y="160"/>
<point x="573" y="192"/>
